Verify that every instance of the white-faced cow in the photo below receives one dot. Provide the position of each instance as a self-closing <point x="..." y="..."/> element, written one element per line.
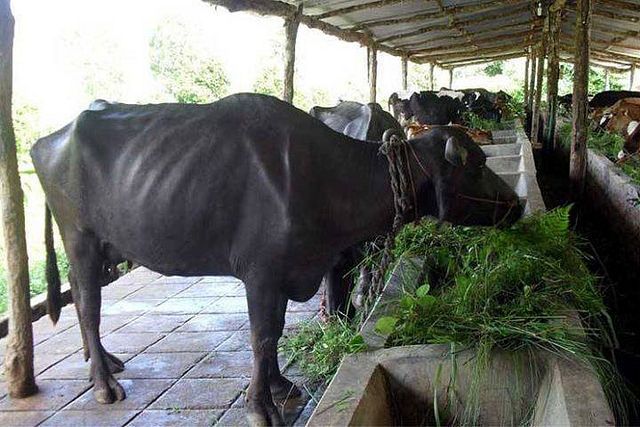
<point x="248" y="186"/>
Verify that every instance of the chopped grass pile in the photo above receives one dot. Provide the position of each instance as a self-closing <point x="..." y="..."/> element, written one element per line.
<point x="475" y="122"/>
<point x="497" y="285"/>
<point x="516" y="289"/>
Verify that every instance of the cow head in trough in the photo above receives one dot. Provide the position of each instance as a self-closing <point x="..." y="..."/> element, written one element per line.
<point x="461" y="189"/>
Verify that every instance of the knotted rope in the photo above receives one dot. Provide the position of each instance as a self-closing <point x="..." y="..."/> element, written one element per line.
<point x="396" y="149"/>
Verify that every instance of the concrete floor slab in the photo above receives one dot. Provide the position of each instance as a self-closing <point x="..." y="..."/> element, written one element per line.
<point x="184" y="365"/>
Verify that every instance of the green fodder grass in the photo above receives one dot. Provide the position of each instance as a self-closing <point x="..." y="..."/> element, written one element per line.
<point x="607" y="144"/>
<point x="319" y="347"/>
<point x="38" y="282"/>
<point x="514" y="289"/>
<point x="475" y="122"/>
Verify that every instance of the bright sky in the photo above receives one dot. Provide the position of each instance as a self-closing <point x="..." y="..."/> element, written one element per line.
<point x="54" y="39"/>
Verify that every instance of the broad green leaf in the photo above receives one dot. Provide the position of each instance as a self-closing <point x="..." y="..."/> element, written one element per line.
<point x="385" y="325"/>
<point x="423" y="290"/>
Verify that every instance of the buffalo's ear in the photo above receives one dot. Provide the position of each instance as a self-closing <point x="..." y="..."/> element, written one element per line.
<point x="455" y="153"/>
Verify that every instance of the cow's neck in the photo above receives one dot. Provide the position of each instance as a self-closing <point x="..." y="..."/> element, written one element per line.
<point x="370" y="199"/>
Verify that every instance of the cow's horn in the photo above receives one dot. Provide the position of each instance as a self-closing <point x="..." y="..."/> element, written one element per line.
<point x="389" y="133"/>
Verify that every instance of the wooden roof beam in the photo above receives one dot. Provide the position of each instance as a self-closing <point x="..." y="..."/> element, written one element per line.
<point x="425" y="43"/>
<point x="285" y="10"/>
<point x="357" y="8"/>
<point x="430" y="28"/>
<point x="479" y="60"/>
<point x="469" y="54"/>
<point x="420" y="17"/>
<point x="505" y="37"/>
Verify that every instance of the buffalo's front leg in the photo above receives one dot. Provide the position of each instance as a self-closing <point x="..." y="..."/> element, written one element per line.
<point x="86" y="265"/>
<point x="266" y="313"/>
<point x="281" y="388"/>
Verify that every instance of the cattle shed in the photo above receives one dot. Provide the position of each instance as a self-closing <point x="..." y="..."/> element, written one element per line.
<point x="442" y="33"/>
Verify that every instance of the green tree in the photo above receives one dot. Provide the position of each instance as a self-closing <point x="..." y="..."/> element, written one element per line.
<point x="270" y="81"/>
<point x="494" y="68"/>
<point x="188" y="74"/>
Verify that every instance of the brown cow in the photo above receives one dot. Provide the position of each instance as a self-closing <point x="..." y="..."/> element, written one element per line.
<point x="623" y="118"/>
<point x="480" y="137"/>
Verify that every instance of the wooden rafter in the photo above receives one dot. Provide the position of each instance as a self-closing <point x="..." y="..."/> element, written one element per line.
<point x="357" y="8"/>
<point x="426" y="43"/>
<point x="426" y="16"/>
<point x="477" y="42"/>
<point x="499" y="14"/>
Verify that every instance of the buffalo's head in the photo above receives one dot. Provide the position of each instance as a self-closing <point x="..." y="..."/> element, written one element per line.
<point x="459" y="187"/>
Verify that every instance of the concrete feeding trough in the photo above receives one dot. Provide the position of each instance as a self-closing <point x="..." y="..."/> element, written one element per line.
<point x="427" y="384"/>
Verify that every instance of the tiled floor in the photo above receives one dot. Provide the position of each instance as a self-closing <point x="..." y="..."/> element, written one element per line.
<point x="185" y="341"/>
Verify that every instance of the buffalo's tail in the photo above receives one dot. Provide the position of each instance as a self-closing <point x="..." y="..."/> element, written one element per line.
<point x="54" y="297"/>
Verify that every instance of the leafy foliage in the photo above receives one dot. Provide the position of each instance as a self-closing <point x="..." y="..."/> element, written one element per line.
<point x="494" y="68"/>
<point x="38" y="281"/>
<point x="188" y="74"/>
<point x="320" y="347"/>
<point x="609" y="145"/>
<point x="596" y="80"/>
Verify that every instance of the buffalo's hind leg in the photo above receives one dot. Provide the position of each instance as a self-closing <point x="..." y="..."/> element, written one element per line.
<point x="115" y="365"/>
<point x="86" y="266"/>
<point x="267" y="307"/>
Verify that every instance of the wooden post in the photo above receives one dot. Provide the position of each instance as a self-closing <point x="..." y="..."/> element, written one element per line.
<point x="607" y="79"/>
<point x="526" y="79"/>
<point x="532" y="79"/>
<point x="578" y="158"/>
<point x="451" y="78"/>
<point x="372" y="55"/>
<point x="405" y="72"/>
<point x="535" y="118"/>
<point x="431" y="68"/>
<point x="291" y="25"/>
<point x="18" y="360"/>
<point x="632" y="72"/>
<point x="553" y="73"/>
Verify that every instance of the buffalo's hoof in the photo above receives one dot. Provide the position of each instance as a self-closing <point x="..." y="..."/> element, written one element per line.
<point x="283" y="389"/>
<point x="114" y="364"/>
<point x="108" y="391"/>
<point x="263" y="414"/>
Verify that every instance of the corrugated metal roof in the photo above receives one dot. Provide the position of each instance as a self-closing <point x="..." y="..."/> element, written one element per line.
<point x="454" y="32"/>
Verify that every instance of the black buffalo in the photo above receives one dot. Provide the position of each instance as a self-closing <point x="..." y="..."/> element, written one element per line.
<point x="400" y="107"/>
<point x="607" y="98"/>
<point x="359" y="121"/>
<point x="431" y="109"/>
<point x="248" y="186"/>
<point x="363" y="122"/>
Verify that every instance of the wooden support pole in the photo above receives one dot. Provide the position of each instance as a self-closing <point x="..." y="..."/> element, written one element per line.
<point x="526" y="79"/>
<point x="553" y="73"/>
<point x="451" y="78"/>
<point x="632" y="72"/>
<point x="291" y="25"/>
<point x="532" y="79"/>
<point x="535" y="118"/>
<point x="432" y="65"/>
<point x="405" y="72"/>
<point x="18" y="359"/>
<point x="607" y="79"/>
<point x="372" y="62"/>
<point x="578" y="158"/>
